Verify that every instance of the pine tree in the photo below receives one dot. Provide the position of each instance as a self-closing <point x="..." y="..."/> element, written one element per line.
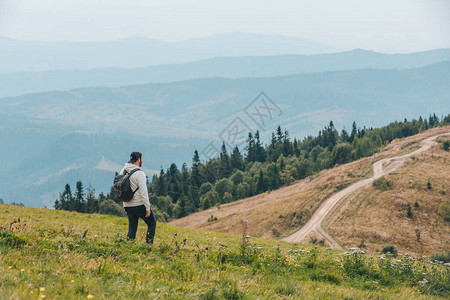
<point x="91" y="202"/>
<point x="225" y="166"/>
<point x="260" y="154"/>
<point x="280" y="136"/>
<point x="173" y="186"/>
<point x="66" y="199"/>
<point x="79" y="197"/>
<point x="236" y="160"/>
<point x="296" y="149"/>
<point x="195" y="173"/>
<point x="287" y="146"/>
<point x="250" y="148"/>
<point x="354" y="132"/>
<point x="184" y="179"/>
<point x="161" y="188"/>
<point x="344" y="136"/>
<point x="261" y="186"/>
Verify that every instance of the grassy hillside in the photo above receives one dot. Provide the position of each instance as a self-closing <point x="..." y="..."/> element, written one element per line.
<point x="55" y="254"/>
<point x="379" y="215"/>
<point x="284" y="211"/>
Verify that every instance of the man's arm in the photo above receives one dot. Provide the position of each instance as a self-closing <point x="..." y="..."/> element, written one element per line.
<point x="143" y="191"/>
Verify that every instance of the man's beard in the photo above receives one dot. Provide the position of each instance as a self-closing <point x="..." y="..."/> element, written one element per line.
<point x="140" y="164"/>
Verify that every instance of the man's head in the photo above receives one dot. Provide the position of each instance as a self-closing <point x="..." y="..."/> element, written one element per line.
<point x="136" y="158"/>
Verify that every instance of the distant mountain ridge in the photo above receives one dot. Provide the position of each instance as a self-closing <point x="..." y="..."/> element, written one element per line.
<point x="20" y="55"/>
<point x="14" y="84"/>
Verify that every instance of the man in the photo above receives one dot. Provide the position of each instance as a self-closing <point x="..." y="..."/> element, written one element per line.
<point x="139" y="205"/>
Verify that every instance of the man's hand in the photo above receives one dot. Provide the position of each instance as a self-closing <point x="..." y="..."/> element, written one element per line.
<point x="147" y="214"/>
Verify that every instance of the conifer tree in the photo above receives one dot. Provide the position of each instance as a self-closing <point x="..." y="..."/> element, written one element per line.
<point x="250" y="148"/>
<point x="196" y="179"/>
<point x="225" y="166"/>
<point x="236" y="160"/>
<point x="261" y="185"/>
<point x="79" y="197"/>
<point x="280" y="136"/>
<point x="260" y="154"/>
<point x="91" y="202"/>
<point x="67" y="200"/>
<point x="354" y="132"/>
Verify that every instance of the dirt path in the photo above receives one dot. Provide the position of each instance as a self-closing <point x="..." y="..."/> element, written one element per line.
<point x="380" y="168"/>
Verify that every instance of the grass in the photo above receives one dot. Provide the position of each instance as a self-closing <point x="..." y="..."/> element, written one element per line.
<point x="57" y="254"/>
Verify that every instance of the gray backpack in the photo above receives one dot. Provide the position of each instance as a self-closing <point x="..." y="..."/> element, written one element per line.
<point x="122" y="186"/>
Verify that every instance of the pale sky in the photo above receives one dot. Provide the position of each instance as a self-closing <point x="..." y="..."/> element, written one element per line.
<point x="381" y="25"/>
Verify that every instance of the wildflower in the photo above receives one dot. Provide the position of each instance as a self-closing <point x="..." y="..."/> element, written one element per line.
<point x="245" y="225"/>
<point x="22" y="270"/>
<point x="42" y="289"/>
<point x="90" y="296"/>
<point x="41" y="296"/>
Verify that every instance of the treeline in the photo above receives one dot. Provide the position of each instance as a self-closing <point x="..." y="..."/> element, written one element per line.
<point x="80" y="201"/>
<point x="176" y="193"/>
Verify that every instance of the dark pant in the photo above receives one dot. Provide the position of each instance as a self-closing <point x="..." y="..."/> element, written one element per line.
<point x="136" y="212"/>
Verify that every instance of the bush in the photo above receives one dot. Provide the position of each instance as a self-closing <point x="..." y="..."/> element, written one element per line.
<point x="383" y="184"/>
<point x="409" y="212"/>
<point x="444" y="210"/>
<point x="389" y="249"/>
<point x="446" y="145"/>
<point x="441" y="256"/>
<point x="109" y="207"/>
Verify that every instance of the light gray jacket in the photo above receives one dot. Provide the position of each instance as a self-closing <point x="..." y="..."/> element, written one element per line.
<point x="138" y="179"/>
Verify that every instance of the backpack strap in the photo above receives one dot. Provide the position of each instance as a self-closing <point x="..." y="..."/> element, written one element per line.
<point x="134" y="170"/>
<point x="131" y="173"/>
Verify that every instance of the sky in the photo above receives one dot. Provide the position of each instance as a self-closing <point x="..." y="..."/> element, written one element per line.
<point x="381" y="25"/>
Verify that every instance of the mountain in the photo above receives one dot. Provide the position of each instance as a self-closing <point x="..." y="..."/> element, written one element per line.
<point x="14" y="84"/>
<point x="187" y="115"/>
<point x="135" y="52"/>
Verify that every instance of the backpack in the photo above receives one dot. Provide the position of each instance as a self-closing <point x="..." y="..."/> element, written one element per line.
<point x="122" y="186"/>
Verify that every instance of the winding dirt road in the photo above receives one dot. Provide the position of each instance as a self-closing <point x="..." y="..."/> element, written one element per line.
<point x="380" y="168"/>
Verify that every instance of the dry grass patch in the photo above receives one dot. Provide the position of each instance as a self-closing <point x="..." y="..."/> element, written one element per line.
<point x="380" y="217"/>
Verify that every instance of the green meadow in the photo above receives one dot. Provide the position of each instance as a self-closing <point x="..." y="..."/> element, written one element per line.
<point x="66" y="255"/>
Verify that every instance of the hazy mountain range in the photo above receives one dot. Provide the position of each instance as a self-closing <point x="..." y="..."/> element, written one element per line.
<point x="13" y="84"/>
<point x="62" y="136"/>
<point x="20" y="55"/>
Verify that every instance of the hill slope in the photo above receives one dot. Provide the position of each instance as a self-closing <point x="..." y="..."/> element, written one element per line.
<point x="54" y="254"/>
<point x="282" y="212"/>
